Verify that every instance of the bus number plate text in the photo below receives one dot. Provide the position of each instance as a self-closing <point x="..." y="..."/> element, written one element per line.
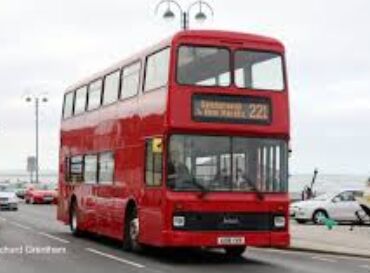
<point x="231" y="109"/>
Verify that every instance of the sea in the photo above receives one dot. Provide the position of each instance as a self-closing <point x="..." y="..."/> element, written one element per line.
<point x="324" y="182"/>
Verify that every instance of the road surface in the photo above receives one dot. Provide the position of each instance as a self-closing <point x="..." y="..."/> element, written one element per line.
<point x="31" y="240"/>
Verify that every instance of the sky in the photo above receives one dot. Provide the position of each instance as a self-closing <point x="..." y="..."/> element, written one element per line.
<point x="46" y="45"/>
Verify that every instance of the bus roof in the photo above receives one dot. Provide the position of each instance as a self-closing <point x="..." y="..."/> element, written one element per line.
<point x="225" y="36"/>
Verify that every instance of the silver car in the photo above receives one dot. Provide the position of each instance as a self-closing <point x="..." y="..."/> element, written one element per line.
<point x="339" y="206"/>
<point x="8" y="198"/>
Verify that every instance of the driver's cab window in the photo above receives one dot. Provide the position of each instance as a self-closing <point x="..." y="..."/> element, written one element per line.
<point x="199" y="162"/>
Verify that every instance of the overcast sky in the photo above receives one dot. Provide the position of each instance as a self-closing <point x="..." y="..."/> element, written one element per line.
<point x="46" y="45"/>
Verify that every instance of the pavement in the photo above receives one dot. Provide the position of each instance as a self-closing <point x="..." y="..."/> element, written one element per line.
<point x="48" y="246"/>
<point x="340" y="240"/>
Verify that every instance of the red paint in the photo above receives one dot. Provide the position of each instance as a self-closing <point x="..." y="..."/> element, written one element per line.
<point x="122" y="128"/>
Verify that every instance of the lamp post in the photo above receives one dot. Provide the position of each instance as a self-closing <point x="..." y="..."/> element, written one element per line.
<point x="200" y="16"/>
<point x="37" y="100"/>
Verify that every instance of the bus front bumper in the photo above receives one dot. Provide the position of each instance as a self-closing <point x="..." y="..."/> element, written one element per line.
<point x="279" y="239"/>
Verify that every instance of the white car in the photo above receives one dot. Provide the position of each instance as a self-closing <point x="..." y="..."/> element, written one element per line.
<point x="340" y="206"/>
<point x="8" y="198"/>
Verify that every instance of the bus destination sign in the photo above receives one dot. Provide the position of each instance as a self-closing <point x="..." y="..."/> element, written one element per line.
<point x="231" y="109"/>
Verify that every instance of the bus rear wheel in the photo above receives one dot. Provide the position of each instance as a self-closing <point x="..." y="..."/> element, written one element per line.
<point x="235" y="251"/>
<point x="131" y="232"/>
<point x="73" y="220"/>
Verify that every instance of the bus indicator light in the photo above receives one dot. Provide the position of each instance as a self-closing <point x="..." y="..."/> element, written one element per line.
<point x="157" y="145"/>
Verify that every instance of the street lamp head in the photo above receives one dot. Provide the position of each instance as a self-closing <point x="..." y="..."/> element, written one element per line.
<point x="169" y="15"/>
<point x="200" y="17"/>
<point x="44" y="99"/>
<point x="28" y="99"/>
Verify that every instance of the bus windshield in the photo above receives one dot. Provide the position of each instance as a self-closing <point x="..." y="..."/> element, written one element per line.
<point x="221" y="163"/>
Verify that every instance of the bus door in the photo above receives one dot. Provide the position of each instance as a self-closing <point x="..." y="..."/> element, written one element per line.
<point x="151" y="219"/>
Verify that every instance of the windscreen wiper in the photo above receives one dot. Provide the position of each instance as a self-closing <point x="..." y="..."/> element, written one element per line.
<point x="204" y="190"/>
<point x="254" y="187"/>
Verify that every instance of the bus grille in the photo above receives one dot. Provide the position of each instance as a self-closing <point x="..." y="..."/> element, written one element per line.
<point x="209" y="221"/>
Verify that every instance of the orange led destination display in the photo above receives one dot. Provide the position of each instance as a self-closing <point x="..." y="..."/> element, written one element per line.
<point x="233" y="109"/>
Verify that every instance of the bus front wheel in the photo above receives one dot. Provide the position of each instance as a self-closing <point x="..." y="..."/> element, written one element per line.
<point x="236" y="251"/>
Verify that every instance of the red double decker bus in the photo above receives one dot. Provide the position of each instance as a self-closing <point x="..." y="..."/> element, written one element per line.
<point x="182" y="145"/>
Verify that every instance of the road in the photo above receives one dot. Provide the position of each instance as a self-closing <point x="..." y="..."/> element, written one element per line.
<point x="34" y="229"/>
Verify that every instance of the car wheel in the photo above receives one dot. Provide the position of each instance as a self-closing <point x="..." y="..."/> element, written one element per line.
<point x="318" y="216"/>
<point x="301" y="221"/>
<point x="73" y="220"/>
<point x="235" y="251"/>
<point x="131" y="232"/>
<point x="32" y="200"/>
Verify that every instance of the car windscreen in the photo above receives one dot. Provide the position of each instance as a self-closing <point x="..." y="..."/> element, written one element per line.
<point x="45" y="186"/>
<point x="324" y="197"/>
<point x="4" y="188"/>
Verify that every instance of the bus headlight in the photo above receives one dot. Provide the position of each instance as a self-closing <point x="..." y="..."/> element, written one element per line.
<point x="178" y="221"/>
<point x="279" y="221"/>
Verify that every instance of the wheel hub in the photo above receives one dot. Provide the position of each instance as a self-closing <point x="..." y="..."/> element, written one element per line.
<point x="74" y="220"/>
<point x="134" y="229"/>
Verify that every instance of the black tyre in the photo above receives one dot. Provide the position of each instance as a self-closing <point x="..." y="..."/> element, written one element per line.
<point x="301" y="221"/>
<point x="235" y="251"/>
<point x="73" y="220"/>
<point x="318" y="216"/>
<point x="131" y="231"/>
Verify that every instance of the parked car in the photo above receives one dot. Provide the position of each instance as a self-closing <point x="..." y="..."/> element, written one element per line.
<point x="340" y="206"/>
<point x="41" y="194"/>
<point x="8" y="198"/>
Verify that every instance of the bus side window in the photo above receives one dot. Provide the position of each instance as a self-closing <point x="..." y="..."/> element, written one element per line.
<point x="106" y="168"/>
<point x="76" y="169"/>
<point x="111" y="87"/>
<point x="94" y="95"/>
<point x="130" y="80"/>
<point x="68" y="105"/>
<point x="153" y="162"/>
<point x="91" y="169"/>
<point x="80" y="100"/>
<point x="157" y="69"/>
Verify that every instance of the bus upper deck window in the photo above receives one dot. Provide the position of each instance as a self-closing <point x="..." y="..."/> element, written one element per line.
<point x="203" y="66"/>
<point x="258" y="70"/>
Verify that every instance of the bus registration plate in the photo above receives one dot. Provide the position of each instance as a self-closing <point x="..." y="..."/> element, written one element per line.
<point x="230" y="240"/>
